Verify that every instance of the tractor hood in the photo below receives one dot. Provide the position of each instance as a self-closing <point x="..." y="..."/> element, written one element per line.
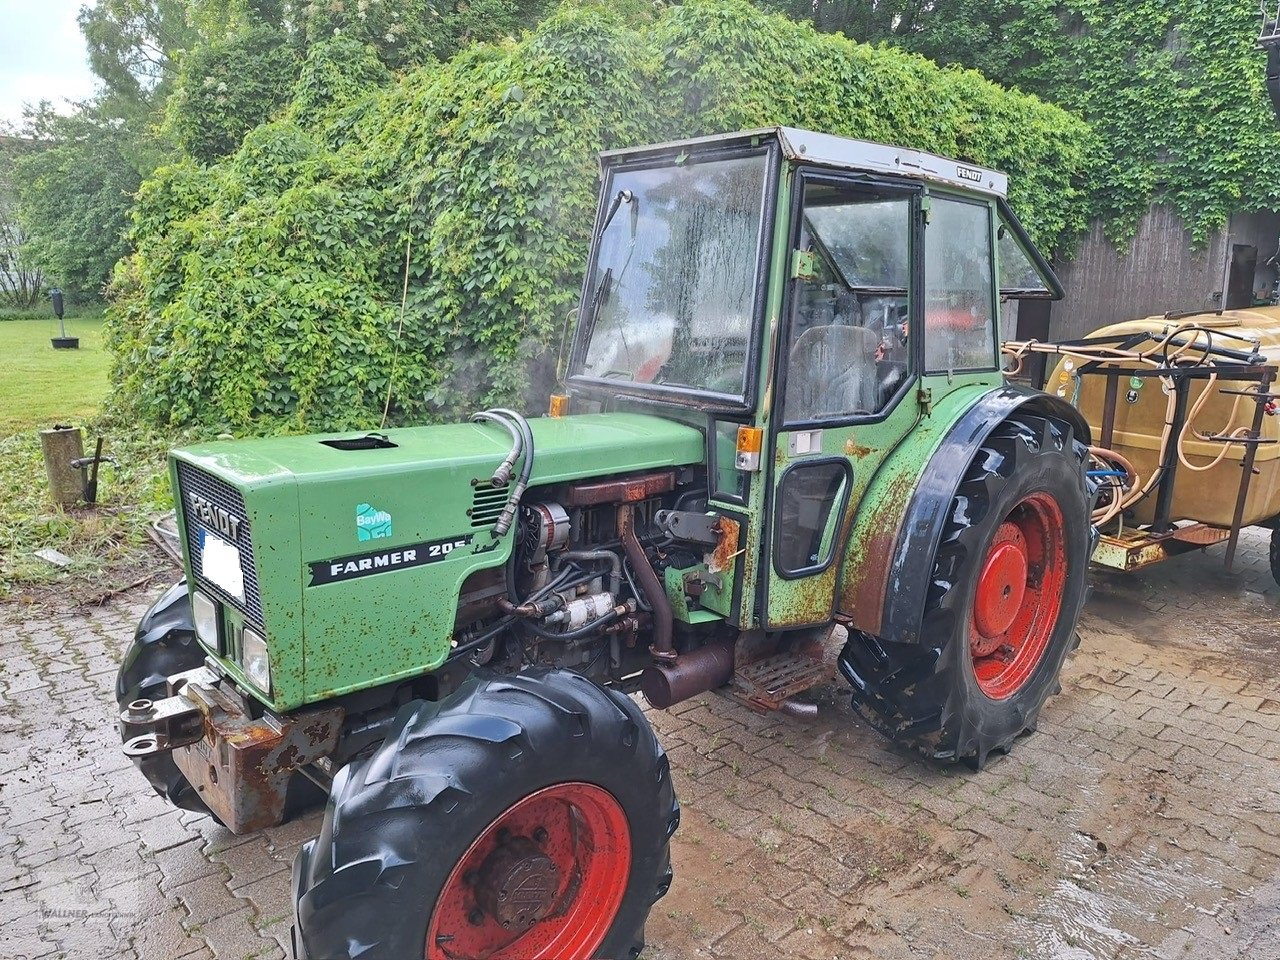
<point x="348" y="551"/>
<point x="566" y="448"/>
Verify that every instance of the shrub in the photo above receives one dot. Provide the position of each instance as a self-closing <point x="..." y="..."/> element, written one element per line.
<point x="226" y="88"/>
<point x="265" y="293"/>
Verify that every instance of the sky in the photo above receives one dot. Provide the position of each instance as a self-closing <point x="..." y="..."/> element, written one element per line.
<point x="42" y="55"/>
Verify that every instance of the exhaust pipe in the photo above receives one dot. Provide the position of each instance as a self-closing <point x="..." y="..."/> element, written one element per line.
<point x="654" y="592"/>
<point x="668" y="682"/>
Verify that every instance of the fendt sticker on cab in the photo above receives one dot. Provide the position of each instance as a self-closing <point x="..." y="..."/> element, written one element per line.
<point x="383" y="561"/>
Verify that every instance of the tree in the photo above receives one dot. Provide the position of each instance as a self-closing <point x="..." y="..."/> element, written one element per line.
<point x="265" y="289"/>
<point x="1173" y="88"/>
<point x="74" y="192"/>
<point x="410" y="33"/>
<point x="20" y="279"/>
<point x="227" y="87"/>
<point x="133" y="48"/>
<point x="136" y="47"/>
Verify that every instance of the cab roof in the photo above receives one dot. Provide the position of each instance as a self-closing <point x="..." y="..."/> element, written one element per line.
<point x="843" y="153"/>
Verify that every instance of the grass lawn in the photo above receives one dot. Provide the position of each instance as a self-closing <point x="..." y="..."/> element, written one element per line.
<point x="107" y="543"/>
<point x="40" y="386"/>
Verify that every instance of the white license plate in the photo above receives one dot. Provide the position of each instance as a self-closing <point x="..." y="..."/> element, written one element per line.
<point x="220" y="564"/>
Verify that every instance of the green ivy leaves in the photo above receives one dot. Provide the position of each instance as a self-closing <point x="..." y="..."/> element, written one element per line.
<point x="265" y="291"/>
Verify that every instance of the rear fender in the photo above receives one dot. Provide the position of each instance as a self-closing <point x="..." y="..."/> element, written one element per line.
<point x="900" y="521"/>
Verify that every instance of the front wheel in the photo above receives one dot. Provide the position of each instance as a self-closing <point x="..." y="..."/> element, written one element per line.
<point x="1007" y="584"/>
<point x="523" y="817"/>
<point x="164" y="644"/>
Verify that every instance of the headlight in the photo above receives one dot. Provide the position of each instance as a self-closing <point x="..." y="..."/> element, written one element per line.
<point x="205" y="613"/>
<point x="257" y="665"/>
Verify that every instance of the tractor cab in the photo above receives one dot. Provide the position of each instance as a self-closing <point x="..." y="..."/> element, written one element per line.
<point x="812" y="303"/>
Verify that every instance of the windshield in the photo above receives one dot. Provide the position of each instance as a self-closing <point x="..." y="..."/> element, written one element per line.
<point x="671" y="300"/>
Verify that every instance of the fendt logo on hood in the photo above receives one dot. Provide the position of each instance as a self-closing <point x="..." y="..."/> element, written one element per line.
<point x="214" y="517"/>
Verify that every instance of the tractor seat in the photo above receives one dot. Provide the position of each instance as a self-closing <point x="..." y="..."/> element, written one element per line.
<point x="832" y="371"/>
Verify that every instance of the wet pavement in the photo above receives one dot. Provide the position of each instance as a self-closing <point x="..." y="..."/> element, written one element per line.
<point x="1142" y="820"/>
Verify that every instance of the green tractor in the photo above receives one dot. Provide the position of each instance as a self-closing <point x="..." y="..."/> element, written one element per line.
<point x="784" y="448"/>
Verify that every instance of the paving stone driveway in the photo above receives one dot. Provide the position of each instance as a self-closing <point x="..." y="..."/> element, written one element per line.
<point x="1141" y="820"/>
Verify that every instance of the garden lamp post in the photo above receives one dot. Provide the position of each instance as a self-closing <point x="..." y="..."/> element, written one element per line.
<point x="62" y="342"/>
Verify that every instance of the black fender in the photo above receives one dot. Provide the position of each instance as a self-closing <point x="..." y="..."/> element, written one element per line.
<point x="163" y="644"/>
<point x="905" y="580"/>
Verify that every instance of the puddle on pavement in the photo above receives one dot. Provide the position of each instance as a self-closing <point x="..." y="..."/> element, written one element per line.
<point x="1102" y="898"/>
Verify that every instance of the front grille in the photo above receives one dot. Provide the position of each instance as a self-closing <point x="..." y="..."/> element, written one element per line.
<point x="487" y="503"/>
<point x="222" y="494"/>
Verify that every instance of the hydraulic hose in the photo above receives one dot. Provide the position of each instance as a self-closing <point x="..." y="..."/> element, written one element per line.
<point x="1159" y="356"/>
<point x="614" y="561"/>
<point x="518" y="426"/>
<point x="582" y="631"/>
<point x="502" y="475"/>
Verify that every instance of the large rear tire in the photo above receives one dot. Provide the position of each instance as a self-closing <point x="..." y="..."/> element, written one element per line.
<point x="522" y="817"/>
<point x="1007" y="585"/>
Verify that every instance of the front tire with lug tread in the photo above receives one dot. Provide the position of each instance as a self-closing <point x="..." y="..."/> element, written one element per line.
<point x="164" y="644"/>
<point x="523" y="816"/>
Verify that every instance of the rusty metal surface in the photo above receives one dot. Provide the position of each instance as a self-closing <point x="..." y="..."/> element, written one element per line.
<point x="866" y="580"/>
<point x="239" y="765"/>
<point x="768" y="683"/>
<point x="1201" y="534"/>
<point x="242" y="767"/>
<point x="668" y="683"/>
<point x="726" y="549"/>
<point x="1133" y="551"/>
<point x="661" y="648"/>
<point x="619" y="489"/>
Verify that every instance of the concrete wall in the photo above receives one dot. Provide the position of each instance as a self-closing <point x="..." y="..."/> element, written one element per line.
<point x="1159" y="272"/>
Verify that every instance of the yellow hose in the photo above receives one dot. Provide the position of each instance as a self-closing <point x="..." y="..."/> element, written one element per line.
<point x="1102" y="354"/>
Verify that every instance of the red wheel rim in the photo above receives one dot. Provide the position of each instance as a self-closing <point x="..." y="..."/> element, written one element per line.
<point x="1018" y="597"/>
<point x="544" y="881"/>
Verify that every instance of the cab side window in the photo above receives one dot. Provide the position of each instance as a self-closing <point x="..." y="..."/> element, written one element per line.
<point x="959" y="302"/>
<point x="847" y="342"/>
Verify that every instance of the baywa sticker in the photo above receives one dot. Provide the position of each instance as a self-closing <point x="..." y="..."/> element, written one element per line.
<point x="383" y="561"/>
<point x="372" y="523"/>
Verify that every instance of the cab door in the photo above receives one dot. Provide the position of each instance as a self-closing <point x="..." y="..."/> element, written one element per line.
<point x="846" y="378"/>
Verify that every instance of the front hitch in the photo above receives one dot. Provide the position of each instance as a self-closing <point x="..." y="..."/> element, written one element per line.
<point x="239" y="765"/>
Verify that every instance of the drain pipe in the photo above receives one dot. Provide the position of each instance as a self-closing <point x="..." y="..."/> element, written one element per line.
<point x="661" y="648"/>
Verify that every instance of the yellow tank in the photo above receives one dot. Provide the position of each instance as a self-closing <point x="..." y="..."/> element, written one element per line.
<point x="1207" y="496"/>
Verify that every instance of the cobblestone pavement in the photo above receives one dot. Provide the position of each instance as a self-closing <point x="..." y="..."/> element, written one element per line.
<point x="1142" y="820"/>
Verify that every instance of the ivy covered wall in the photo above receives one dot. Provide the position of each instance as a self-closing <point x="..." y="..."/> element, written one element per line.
<point x="265" y="291"/>
<point x="1173" y="88"/>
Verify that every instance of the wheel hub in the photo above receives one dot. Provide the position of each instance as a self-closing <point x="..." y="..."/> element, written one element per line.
<point x="1018" y="595"/>
<point x="517" y="884"/>
<point x="544" y="881"/>
<point x="1001" y="587"/>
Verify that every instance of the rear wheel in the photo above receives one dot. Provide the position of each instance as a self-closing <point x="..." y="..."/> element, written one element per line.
<point x="523" y="817"/>
<point x="1007" y="584"/>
